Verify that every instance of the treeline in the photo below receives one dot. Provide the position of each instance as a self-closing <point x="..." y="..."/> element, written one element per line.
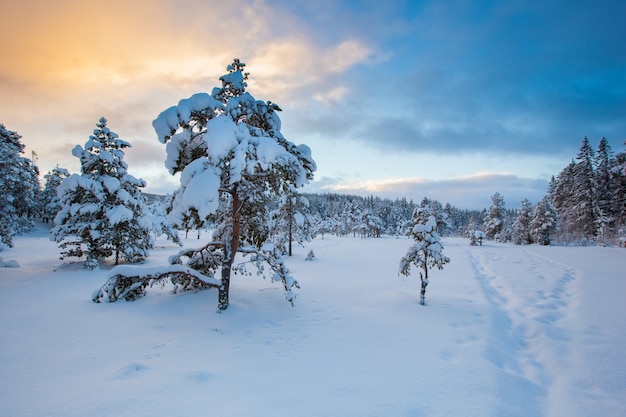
<point x="343" y="215"/>
<point x="584" y="204"/>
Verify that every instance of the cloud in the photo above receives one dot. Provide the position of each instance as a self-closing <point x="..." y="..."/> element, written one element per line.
<point x="508" y="78"/>
<point x="396" y="78"/>
<point x="71" y="62"/>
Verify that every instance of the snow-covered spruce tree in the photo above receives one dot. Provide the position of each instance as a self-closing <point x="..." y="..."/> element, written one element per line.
<point x="427" y="251"/>
<point x="585" y="203"/>
<point x="19" y="185"/>
<point x="521" y="226"/>
<point x="102" y="209"/>
<point x="618" y="173"/>
<point x="495" y="219"/>
<point x="49" y="198"/>
<point x="233" y="161"/>
<point x="605" y="191"/>
<point x="544" y="223"/>
<point x="563" y="201"/>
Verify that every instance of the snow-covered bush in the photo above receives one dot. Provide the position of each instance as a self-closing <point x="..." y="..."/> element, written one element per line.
<point x="476" y="237"/>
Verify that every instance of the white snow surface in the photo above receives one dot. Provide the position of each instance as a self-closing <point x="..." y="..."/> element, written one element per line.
<point x="506" y="331"/>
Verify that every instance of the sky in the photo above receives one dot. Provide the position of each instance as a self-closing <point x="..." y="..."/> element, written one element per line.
<point x="451" y="100"/>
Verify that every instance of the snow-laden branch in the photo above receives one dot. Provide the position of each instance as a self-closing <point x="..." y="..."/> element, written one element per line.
<point x="130" y="282"/>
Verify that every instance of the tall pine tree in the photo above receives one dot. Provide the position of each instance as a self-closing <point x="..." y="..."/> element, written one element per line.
<point x="605" y="191"/>
<point x="585" y="199"/>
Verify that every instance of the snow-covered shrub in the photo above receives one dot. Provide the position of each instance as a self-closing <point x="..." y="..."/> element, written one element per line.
<point x="476" y="237"/>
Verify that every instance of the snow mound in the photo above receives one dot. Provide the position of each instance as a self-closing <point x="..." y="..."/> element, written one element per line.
<point x="9" y="263"/>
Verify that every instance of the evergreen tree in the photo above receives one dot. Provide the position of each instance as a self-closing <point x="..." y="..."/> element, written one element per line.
<point x="605" y="190"/>
<point x="19" y="182"/>
<point x="544" y="223"/>
<point x="585" y="204"/>
<point x="426" y="252"/>
<point x="618" y="175"/>
<point x="494" y="221"/>
<point x="102" y="209"/>
<point x="563" y="201"/>
<point x="291" y="222"/>
<point x="521" y="226"/>
<point x="49" y="198"/>
<point x="234" y="163"/>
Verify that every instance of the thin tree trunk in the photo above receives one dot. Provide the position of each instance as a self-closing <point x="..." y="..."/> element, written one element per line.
<point x="290" y="214"/>
<point x="424" y="279"/>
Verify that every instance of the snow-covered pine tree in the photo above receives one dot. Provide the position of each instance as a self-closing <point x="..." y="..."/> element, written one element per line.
<point x="605" y="190"/>
<point x="233" y="161"/>
<point x="427" y="251"/>
<point x="544" y="221"/>
<point x="369" y="225"/>
<point x="49" y="198"/>
<point x="291" y="222"/>
<point x="585" y="202"/>
<point x="102" y="209"/>
<point x="563" y="201"/>
<point x="349" y="219"/>
<point x="494" y="221"/>
<point x="618" y="173"/>
<point x="521" y="226"/>
<point x="19" y="182"/>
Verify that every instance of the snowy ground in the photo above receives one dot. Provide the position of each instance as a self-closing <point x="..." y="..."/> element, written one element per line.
<point x="507" y="331"/>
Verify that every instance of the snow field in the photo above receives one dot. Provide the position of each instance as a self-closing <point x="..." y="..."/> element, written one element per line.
<point x="506" y="331"/>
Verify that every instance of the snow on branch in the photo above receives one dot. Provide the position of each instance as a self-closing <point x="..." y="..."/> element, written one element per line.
<point x="280" y="273"/>
<point x="130" y="282"/>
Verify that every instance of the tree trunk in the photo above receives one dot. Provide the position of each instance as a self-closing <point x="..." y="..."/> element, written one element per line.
<point x="290" y="215"/>
<point x="424" y="279"/>
<point x="230" y="253"/>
